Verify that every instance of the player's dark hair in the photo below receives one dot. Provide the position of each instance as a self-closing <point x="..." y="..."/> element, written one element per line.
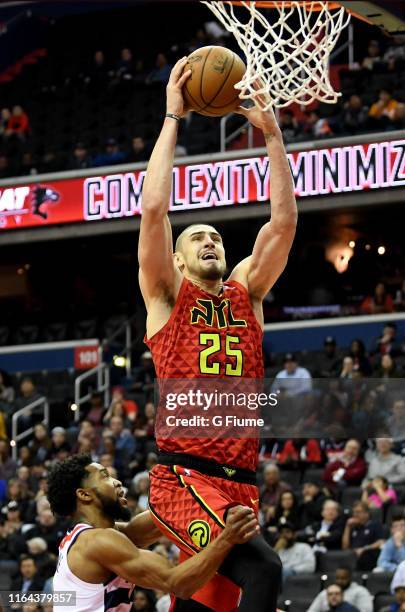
<point x="65" y="477"/>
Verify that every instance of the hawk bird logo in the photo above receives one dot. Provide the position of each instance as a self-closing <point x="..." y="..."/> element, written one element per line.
<point x="43" y="196"/>
<point x="200" y="533"/>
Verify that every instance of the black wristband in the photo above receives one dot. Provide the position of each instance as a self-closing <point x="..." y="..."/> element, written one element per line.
<point x="173" y="116"/>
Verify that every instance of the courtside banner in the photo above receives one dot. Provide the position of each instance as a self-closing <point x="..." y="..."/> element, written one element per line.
<point x="344" y="169"/>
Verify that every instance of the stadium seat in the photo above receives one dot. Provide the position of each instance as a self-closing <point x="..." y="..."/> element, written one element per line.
<point x="383" y="602"/>
<point x="377" y="514"/>
<point x="379" y="582"/>
<point x="350" y="495"/>
<point x="313" y="474"/>
<point x="395" y="510"/>
<point x="298" y="605"/>
<point x="303" y="586"/>
<point x="331" y="560"/>
<point x="293" y="477"/>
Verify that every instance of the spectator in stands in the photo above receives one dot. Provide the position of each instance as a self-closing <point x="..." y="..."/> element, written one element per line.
<point x="396" y="426"/>
<point x="60" y="445"/>
<point x="271" y="490"/>
<point x="383" y="112"/>
<point x="162" y="601"/>
<point x="97" y="71"/>
<point x="289" y="126"/>
<point x="144" y="601"/>
<point x="161" y="72"/>
<point x="28" y="393"/>
<point x="28" y="579"/>
<point x="384" y="462"/>
<point x="44" y="561"/>
<point x="373" y="55"/>
<point x="326" y="534"/>
<point x="18" y="125"/>
<point x="327" y="364"/>
<point x="387" y="368"/>
<point x="141" y="486"/>
<point x="353" y="593"/>
<point x="129" y="407"/>
<point x="111" y="156"/>
<point x="125" y="67"/>
<point x="124" y="440"/>
<point x="293" y="380"/>
<point x="144" y="427"/>
<point x="313" y="499"/>
<point x="334" y="596"/>
<point x="296" y="557"/>
<point x="7" y="465"/>
<point x="80" y="158"/>
<point x="286" y="511"/>
<point x="395" y="53"/>
<point x="378" y="493"/>
<point x="315" y="126"/>
<point x="387" y="342"/>
<point x="397" y="584"/>
<point x="364" y="536"/>
<point x="139" y="151"/>
<point x="379" y="302"/>
<point x="393" y="551"/>
<point x="41" y="444"/>
<point x="7" y="392"/>
<point x="5" y="117"/>
<point x="354" y="115"/>
<point x="400" y="298"/>
<point x="347" y="371"/>
<point x="360" y="361"/>
<point x="145" y="377"/>
<point x="96" y="409"/>
<point x="349" y="470"/>
<point x="48" y="529"/>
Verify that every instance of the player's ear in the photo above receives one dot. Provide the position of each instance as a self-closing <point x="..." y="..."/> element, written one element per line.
<point x="84" y="495"/>
<point x="178" y="260"/>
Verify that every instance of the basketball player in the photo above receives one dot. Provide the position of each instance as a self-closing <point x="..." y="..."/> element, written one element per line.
<point x="199" y="325"/>
<point x="100" y="564"/>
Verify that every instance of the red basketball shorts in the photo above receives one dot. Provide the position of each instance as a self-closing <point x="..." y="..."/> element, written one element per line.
<point x="189" y="508"/>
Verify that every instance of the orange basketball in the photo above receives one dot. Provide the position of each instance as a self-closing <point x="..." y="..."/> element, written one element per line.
<point x="210" y="88"/>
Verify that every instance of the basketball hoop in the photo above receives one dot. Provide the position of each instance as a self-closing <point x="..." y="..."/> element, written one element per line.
<point x="287" y="53"/>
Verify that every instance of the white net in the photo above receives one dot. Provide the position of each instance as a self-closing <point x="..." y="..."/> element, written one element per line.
<point x="287" y="51"/>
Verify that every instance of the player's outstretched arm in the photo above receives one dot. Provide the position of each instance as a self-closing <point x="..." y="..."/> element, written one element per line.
<point x="115" y="552"/>
<point x="260" y="271"/>
<point x="155" y="250"/>
<point x="141" y="530"/>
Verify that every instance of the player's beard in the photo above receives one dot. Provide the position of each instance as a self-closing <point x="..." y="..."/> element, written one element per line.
<point x="212" y="273"/>
<point x="113" y="509"/>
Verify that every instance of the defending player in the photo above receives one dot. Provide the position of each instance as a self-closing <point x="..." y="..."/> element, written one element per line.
<point x="100" y="564"/>
<point x="199" y="325"/>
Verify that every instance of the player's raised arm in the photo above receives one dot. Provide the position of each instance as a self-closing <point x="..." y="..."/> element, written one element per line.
<point x="155" y="250"/>
<point x="149" y="570"/>
<point x="260" y="271"/>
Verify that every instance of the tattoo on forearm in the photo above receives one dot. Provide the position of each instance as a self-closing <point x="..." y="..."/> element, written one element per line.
<point x="268" y="138"/>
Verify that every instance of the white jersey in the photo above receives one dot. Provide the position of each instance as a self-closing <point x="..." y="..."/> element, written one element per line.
<point x="113" y="596"/>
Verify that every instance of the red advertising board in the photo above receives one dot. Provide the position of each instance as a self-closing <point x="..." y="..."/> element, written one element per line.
<point x="342" y="169"/>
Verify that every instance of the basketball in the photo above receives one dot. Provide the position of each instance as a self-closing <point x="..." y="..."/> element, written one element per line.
<point x="210" y="88"/>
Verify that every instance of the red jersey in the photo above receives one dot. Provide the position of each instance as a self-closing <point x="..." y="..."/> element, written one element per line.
<point x="210" y="336"/>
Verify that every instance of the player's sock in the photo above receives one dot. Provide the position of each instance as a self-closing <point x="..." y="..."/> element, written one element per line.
<point x="256" y="568"/>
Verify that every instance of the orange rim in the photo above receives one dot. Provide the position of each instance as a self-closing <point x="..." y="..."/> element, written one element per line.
<point x="315" y="6"/>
